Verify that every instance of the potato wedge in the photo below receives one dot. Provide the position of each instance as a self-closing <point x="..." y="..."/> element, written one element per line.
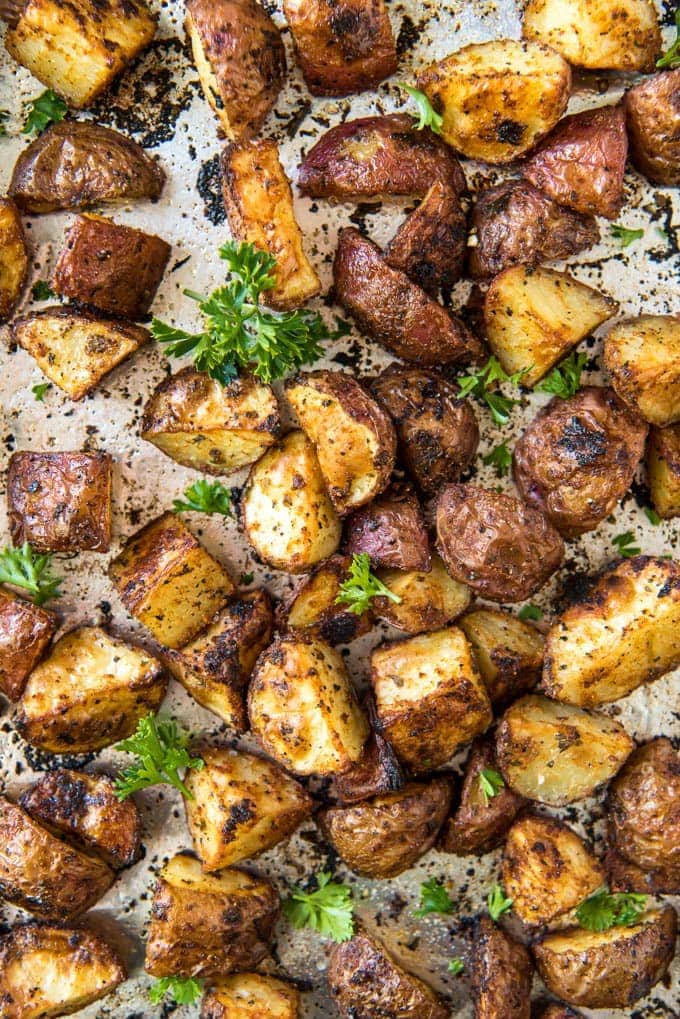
<point x="430" y="244"/>
<point x="429" y="601"/>
<point x="25" y="633"/>
<point x="376" y="773"/>
<point x="508" y="652"/>
<point x="502" y="973"/>
<point x="534" y="316"/>
<point x="555" y="753"/>
<point x="391" y="530"/>
<point x="251" y="996"/>
<point x="653" y="122"/>
<point x="314" y="609"/>
<point x="498" y="98"/>
<point x="663" y="470"/>
<point x="642" y="356"/>
<point x="13" y="258"/>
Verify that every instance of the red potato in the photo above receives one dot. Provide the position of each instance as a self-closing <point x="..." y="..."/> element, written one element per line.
<point x="430" y="244"/>
<point x="392" y="531"/>
<point x="653" y="122"/>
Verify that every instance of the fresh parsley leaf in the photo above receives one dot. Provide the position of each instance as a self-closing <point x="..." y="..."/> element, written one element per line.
<point x="427" y="115"/>
<point x="362" y="586"/>
<point x="603" y="910"/>
<point x="497" y="902"/>
<point x="184" y="990"/>
<point x="161" y="749"/>
<point x="500" y="458"/>
<point x="565" y="378"/>
<point x="530" y="611"/>
<point x="4" y="117"/>
<point x="652" y="516"/>
<point x="205" y="497"/>
<point x="46" y="109"/>
<point x="24" y="568"/>
<point x="40" y="390"/>
<point x="624" y="235"/>
<point x="490" y="784"/>
<point x="42" y="291"/>
<point x="456" y="966"/>
<point x="671" y="58"/>
<point x="624" y="545"/>
<point x="478" y="385"/>
<point x="246" y="578"/>
<point x="434" y="898"/>
<point x="328" y="909"/>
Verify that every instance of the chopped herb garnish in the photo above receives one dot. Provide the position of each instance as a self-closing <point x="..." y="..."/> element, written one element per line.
<point x="671" y="58"/>
<point x="42" y="291"/>
<point x="500" y="457"/>
<point x="530" y="611"/>
<point x="497" y="903"/>
<point x="625" y="236"/>
<point x="653" y="516"/>
<point x="328" y="909"/>
<point x="479" y="385"/>
<point x="490" y="784"/>
<point x="603" y="910"/>
<point x="205" y="497"/>
<point x="434" y="898"/>
<point x="427" y="116"/>
<point x="40" y="390"/>
<point x="31" y="571"/>
<point x="624" y="545"/>
<point x="161" y="748"/>
<point x="183" y="990"/>
<point x="565" y="378"/>
<point x="46" y="109"/>
<point x="362" y="586"/>
<point x="246" y="578"/>
<point x="456" y="966"/>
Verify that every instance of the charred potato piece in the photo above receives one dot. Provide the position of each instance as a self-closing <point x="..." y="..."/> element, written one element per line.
<point x="303" y="709"/>
<point x="430" y="244"/>
<point x="352" y="435"/>
<point x="625" y="876"/>
<point x="259" y="206"/>
<point x="534" y="316"/>
<point x="612" y="968"/>
<point x="376" y="773"/>
<point x="502" y="974"/>
<point x="42" y="874"/>
<point x="578" y="458"/>
<point x="555" y="753"/>
<point x="560" y="1012"/>
<point x="213" y="428"/>
<point x="429" y="601"/>
<point x="208" y="925"/>
<point x="642" y="356"/>
<point x="89" y="692"/>
<point x="25" y="633"/>
<point x="391" y="531"/>
<point x="314" y="608"/>
<point x="663" y="470"/>
<point x="287" y="515"/>
<point x="508" y="652"/>
<point x="13" y="258"/>
<point x="653" y="122"/>
<point x="241" y="61"/>
<point x="115" y="268"/>
<point x="77" y="49"/>
<point x="251" y="996"/>
<point x="168" y="581"/>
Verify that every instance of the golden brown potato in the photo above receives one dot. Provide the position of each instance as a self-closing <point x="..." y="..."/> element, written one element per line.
<point x="508" y="652"/>
<point x="533" y="316"/>
<point x="624" y="876"/>
<point x="578" y="458"/>
<point x="313" y="606"/>
<point x="653" y="122"/>
<point x="663" y="470"/>
<point x="115" y="268"/>
<point x="287" y="515"/>
<point x="555" y="753"/>
<point x="612" y="968"/>
<point x="241" y="61"/>
<point x="213" y="428"/>
<point x="502" y="549"/>
<point x="76" y="349"/>
<point x="376" y="773"/>
<point x="13" y="258"/>
<point x="353" y="437"/>
<point x="642" y="356"/>
<point x="429" y="601"/>
<point x="86" y="810"/>
<point x="560" y="1012"/>
<point x="44" y="875"/>
<point x="208" y="925"/>
<point x="259" y="206"/>
<point x="498" y="98"/>
<point x="620" y="635"/>
<point x="385" y="836"/>
<point x="303" y="709"/>
<point x="75" y="164"/>
<point x="77" y="49"/>
<point x="25" y="633"/>
<point x="429" y="697"/>
<point x="52" y="971"/>
<point x="251" y="996"/>
<point x="502" y="974"/>
<point x="242" y="805"/>
<point x="89" y="692"/>
<point x="391" y="530"/>
<point x="342" y="47"/>
<point x="430" y="244"/>
<point x="60" y="502"/>
<point x="581" y="163"/>
<point x="167" y="580"/>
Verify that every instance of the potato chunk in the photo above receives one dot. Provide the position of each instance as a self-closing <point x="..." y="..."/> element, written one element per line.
<point x="313" y="606"/>
<point x="502" y="973"/>
<point x="429" y="696"/>
<point x="429" y="601"/>
<point x="89" y="692"/>
<point x="663" y="470"/>
<point x="430" y="244"/>
<point x="242" y="805"/>
<point x="643" y="357"/>
<point x="508" y="652"/>
<point x="391" y="530"/>
<point x="13" y="258"/>
<point x="377" y="771"/>
<point x="25" y="634"/>
<point x="168" y="581"/>
<point x="653" y="122"/>
<point x="555" y="753"/>
<point x="534" y="316"/>
<point x="251" y="996"/>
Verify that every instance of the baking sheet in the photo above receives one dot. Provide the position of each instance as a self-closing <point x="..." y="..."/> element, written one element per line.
<point x="159" y="102"/>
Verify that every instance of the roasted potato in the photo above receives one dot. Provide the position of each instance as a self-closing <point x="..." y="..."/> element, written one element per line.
<point x="620" y="635"/>
<point x="87" y="811"/>
<point x="429" y="697"/>
<point x="578" y="458"/>
<point x="251" y="996"/>
<point x="555" y="753"/>
<point x="77" y="49"/>
<point x="313" y="606"/>
<point x="303" y="709"/>
<point x="581" y="163"/>
<point x="342" y="48"/>
<point x="43" y="874"/>
<point x="208" y="925"/>
<point x="365" y="981"/>
<point x="76" y="349"/>
<point x="89" y="692"/>
<point x="374" y="156"/>
<point x="498" y="98"/>
<point x="653" y="122"/>
<point x="376" y="773"/>
<point x="287" y="514"/>
<point x="25" y="633"/>
<point x="213" y="428"/>
<point x="430" y="244"/>
<point x="385" y="836"/>
<point x="241" y="61"/>
<point x="437" y="432"/>
<point x="534" y="316"/>
<point x="352" y="435"/>
<point x="259" y="206"/>
<point x="596" y="35"/>
<point x="115" y="268"/>
<point x="168" y="581"/>
<point x="391" y="530"/>
<point x="60" y="502"/>
<point x="502" y="549"/>
<point x="396" y="312"/>
<point x="13" y="258"/>
<point x="508" y="652"/>
<point x="241" y="805"/>
<point x="52" y="971"/>
<point x="642" y="356"/>
<point x="74" y="164"/>
<point x="556" y="1011"/>
<point x="429" y="601"/>
<point x="612" y="968"/>
<point x="516" y="224"/>
<point x="624" y="876"/>
<point x="502" y="974"/>
<point x="663" y="470"/>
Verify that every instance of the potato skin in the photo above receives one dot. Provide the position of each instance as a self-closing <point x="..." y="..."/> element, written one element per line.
<point x="642" y="356"/>
<point x="653" y="122"/>
<point x="502" y="974"/>
<point x="376" y="773"/>
<point x="663" y="470"/>
<point x="430" y="244"/>
<point x="508" y="652"/>
<point x="312" y="606"/>
<point x="429" y="600"/>
<point x="13" y="258"/>
<point x="625" y="876"/>
<point x="25" y="634"/>
<point x="391" y="530"/>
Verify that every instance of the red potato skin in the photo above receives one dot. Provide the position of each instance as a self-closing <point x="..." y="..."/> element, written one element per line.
<point x="653" y="122"/>
<point x="392" y="531"/>
<point x="377" y="772"/>
<point x="25" y="634"/>
<point x="430" y="244"/>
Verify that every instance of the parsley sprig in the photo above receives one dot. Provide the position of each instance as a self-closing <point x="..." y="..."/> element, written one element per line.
<point x="427" y="115"/>
<point x="161" y="749"/>
<point x="652" y="516"/>
<point x="530" y="611"/>
<point x="42" y="291"/>
<point x="456" y="966"/>
<point x="565" y="378"/>
<point x="327" y="909"/>
<point x="31" y="571"/>
<point x="362" y="586"/>
<point x="497" y="903"/>
<point x="625" y="236"/>
<point x="46" y="109"/>
<point x="671" y="58"/>
<point x="490" y="784"/>
<point x="500" y="457"/>
<point x="480" y="384"/>
<point x="434" y="898"/>
<point x="184" y="990"/>
<point x="624" y="545"/>
<point x="40" y="390"/>
<point x="604" y="909"/>
<point x="205" y="497"/>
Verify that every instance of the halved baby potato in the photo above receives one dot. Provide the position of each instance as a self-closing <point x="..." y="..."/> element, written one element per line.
<point x="314" y="608"/>
<point x="508" y="652"/>
<point x="502" y="973"/>
<point x="663" y="470"/>
<point x="250" y="996"/>
<point x="642" y="356"/>
<point x="391" y="530"/>
<point x="25" y="633"/>
<point x="13" y="257"/>
<point x="429" y="601"/>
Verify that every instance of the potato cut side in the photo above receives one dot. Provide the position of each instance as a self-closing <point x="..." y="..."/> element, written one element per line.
<point x="534" y="316"/>
<point x="643" y="357"/>
<point x="429" y="601"/>
<point x="251" y="996"/>
<point x="663" y="470"/>
<point x="25" y="634"/>
<point x="314" y="608"/>
<point x="508" y="652"/>
<point x="13" y="258"/>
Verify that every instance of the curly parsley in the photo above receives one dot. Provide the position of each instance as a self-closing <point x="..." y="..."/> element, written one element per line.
<point x="565" y="378"/>
<point x="362" y="586"/>
<point x="328" y="909"/>
<point x="434" y="898"/>
<point x="46" y="109"/>
<point x="480" y="384"/>
<point x="161" y="749"/>
<point x="497" y="903"/>
<point x="205" y="497"/>
<point x="603" y="910"/>
<point x="490" y="784"/>
<point x="426" y="116"/>
<point x="183" y="990"/>
<point x="31" y="571"/>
